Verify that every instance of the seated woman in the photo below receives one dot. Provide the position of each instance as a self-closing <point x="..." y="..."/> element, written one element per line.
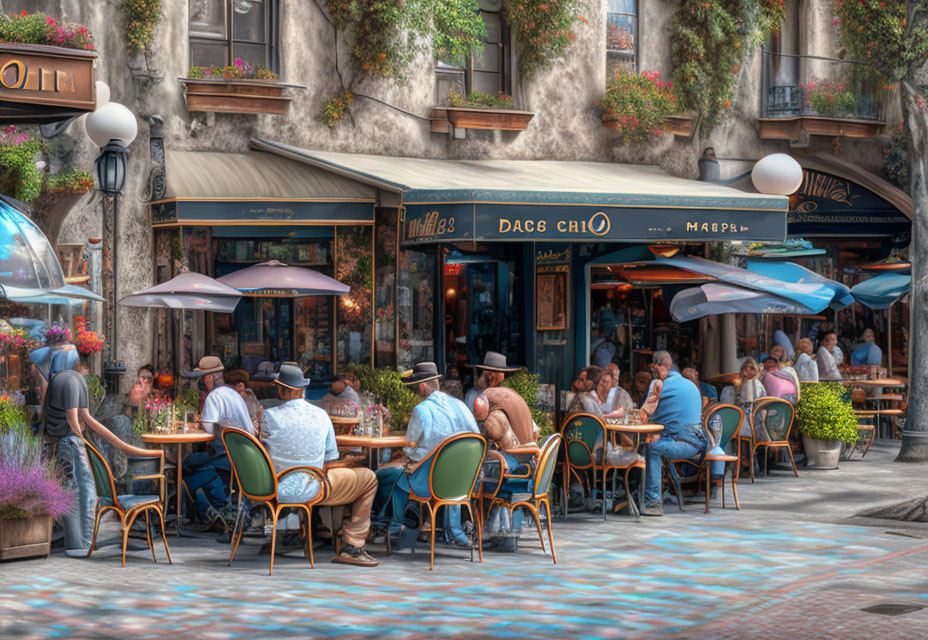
<point x="744" y="393"/>
<point x="780" y="383"/>
<point x="608" y="401"/>
<point x="805" y="365"/>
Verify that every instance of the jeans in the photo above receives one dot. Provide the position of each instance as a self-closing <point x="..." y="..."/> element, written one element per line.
<point x="672" y="449"/>
<point x="74" y="467"/>
<point x="204" y="472"/>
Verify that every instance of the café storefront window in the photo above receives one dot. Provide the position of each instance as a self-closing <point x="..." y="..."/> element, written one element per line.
<point x="276" y="329"/>
<point x="416" y="280"/>
<point x="385" y="289"/>
<point x="354" y="267"/>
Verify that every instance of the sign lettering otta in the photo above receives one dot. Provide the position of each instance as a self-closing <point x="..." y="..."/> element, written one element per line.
<point x="42" y="75"/>
<point x="497" y="222"/>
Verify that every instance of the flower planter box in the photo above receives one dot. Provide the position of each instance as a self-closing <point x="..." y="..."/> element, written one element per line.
<point x="42" y="83"/>
<point x="821" y="454"/>
<point x="792" y="128"/>
<point x="26" y="538"/>
<point x="475" y="118"/>
<point x="681" y="124"/>
<point x="237" y="96"/>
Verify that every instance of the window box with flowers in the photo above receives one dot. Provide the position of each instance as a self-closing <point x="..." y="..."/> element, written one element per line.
<point x="641" y="105"/>
<point x="48" y="68"/>
<point x="238" y="88"/>
<point x="479" y="110"/>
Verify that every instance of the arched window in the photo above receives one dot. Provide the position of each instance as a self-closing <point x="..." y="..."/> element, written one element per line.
<point x="621" y="36"/>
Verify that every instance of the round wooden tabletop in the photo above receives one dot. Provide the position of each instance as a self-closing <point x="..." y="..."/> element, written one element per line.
<point x="177" y="438"/>
<point x="344" y="419"/>
<point x="879" y="382"/>
<point x="634" y="428"/>
<point x="371" y="442"/>
<point x="725" y="378"/>
<point x="881" y="412"/>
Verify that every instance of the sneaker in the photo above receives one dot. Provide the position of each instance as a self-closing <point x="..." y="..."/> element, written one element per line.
<point x="77" y="553"/>
<point x="653" y="509"/>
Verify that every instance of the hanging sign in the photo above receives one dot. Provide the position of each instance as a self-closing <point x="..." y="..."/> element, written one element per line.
<point x="47" y="76"/>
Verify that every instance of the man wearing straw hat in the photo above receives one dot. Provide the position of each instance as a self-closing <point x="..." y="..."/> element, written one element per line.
<point x="299" y="433"/>
<point x="433" y="420"/>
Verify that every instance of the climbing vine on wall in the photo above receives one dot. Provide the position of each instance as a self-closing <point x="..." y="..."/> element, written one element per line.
<point x="142" y="17"/>
<point x="543" y="31"/>
<point x="710" y="42"/>
<point x="386" y="35"/>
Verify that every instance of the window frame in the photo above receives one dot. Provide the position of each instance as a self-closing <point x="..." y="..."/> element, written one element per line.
<point x="504" y="58"/>
<point x="623" y="52"/>
<point x="271" y="42"/>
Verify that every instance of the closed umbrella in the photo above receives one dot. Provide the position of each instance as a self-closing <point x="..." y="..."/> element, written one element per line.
<point x="280" y="280"/>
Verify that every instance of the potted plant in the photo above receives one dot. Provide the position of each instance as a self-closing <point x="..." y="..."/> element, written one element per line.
<point x="239" y="88"/>
<point x="30" y="493"/>
<point x="40" y="44"/>
<point x="827" y="421"/>
<point x="829" y="99"/>
<point x="640" y="105"/>
<point x="478" y="110"/>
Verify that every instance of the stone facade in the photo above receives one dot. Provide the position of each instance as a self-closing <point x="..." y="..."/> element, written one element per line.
<point x="566" y="125"/>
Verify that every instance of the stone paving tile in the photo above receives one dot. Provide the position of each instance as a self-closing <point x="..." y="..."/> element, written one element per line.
<point x="780" y="568"/>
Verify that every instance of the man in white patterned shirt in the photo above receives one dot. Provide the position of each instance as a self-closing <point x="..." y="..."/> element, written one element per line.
<point x="298" y="433"/>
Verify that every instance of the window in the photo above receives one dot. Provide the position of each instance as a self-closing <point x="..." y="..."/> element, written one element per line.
<point x="488" y="72"/>
<point x="223" y="30"/>
<point x="621" y="36"/>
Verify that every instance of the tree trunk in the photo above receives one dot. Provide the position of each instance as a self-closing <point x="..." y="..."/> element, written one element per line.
<point x="915" y="435"/>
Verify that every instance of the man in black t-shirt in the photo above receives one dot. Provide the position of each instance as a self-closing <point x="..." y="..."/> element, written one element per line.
<point x="66" y="412"/>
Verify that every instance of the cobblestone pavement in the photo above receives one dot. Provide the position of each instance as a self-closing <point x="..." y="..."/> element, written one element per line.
<point x="789" y="565"/>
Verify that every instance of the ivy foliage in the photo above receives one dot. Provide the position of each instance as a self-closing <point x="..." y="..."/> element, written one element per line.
<point x="142" y="17"/>
<point x="710" y="41"/>
<point x="19" y="175"/>
<point x="386" y="385"/>
<point x="526" y="385"/>
<point x="542" y="30"/>
<point x="823" y="413"/>
<point x="386" y="35"/>
<point x="878" y="31"/>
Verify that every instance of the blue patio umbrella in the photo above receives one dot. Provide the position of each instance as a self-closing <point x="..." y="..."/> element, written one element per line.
<point x="27" y="259"/>
<point x="715" y="298"/>
<point x="882" y="291"/>
<point x="793" y="273"/>
<point x="810" y="297"/>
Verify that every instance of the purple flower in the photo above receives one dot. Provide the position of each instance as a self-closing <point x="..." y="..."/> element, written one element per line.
<point x="238" y="62"/>
<point x="32" y="491"/>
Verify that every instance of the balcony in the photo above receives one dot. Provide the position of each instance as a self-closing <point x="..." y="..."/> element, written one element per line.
<point x="814" y="96"/>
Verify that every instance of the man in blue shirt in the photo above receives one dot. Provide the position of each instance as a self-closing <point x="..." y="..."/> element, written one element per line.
<point x="433" y="420"/>
<point x="867" y="352"/>
<point x="679" y="409"/>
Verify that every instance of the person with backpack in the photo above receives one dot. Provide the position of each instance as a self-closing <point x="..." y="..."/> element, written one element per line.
<point x="65" y="416"/>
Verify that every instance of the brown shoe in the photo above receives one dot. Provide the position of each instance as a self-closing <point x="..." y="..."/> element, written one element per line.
<point x="354" y="555"/>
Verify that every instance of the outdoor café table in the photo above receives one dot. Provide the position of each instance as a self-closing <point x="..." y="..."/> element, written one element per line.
<point x="892" y="383"/>
<point x="179" y="440"/>
<point x="373" y="443"/>
<point x="637" y="430"/>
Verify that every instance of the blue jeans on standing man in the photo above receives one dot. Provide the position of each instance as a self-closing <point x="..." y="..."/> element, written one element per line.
<point x="74" y="467"/>
<point x="689" y="443"/>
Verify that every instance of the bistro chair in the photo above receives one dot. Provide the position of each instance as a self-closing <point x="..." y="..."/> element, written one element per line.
<point x="731" y="417"/>
<point x="129" y="506"/>
<point x="580" y="432"/>
<point x="532" y="492"/>
<point x="256" y="479"/>
<point x="455" y="467"/>
<point x="776" y="420"/>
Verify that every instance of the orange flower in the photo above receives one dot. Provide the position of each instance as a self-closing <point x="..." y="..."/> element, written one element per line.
<point x="727" y="103"/>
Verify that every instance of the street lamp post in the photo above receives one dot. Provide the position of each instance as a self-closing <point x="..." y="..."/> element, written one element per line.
<point x="113" y="128"/>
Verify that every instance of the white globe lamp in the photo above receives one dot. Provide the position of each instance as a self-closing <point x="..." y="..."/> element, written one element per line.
<point x="102" y="91"/>
<point x="777" y="175"/>
<point x="111" y="121"/>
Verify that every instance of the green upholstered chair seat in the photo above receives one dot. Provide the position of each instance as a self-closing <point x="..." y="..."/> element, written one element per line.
<point x="252" y="466"/>
<point x="455" y="468"/>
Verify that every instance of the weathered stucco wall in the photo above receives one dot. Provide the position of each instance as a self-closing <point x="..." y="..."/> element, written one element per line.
<point x="566" y="125"/>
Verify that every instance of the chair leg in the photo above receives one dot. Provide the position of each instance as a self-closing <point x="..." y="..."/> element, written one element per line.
<point x="723" y="487"/>
<point x="792" y="460"/>
<point x="868" y="445"/>
<point x="751" y="460"/>
<point x="151" y="547"/>
<point x="476" y="520"/>
<point x="605" y="473"/>
<point x="96" y="527"/>
<point x="708" y="487"/>
<point x="432" y="537"/>
<point x="632" y="505"/>
<point x="125" y="535"/>
<point x="550" y="530"/>
<point x="480" y="532"/>
<point x="164" y="535"/>
<point x="309" y="536"/>
<point x="237" y="539"/>
<point x="275" y="513"/>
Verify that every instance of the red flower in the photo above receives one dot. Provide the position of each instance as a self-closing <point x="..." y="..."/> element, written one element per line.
<point x="23" y="13"/>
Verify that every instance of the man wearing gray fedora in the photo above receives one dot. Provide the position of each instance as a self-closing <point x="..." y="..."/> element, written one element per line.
<point x="299" y="433"/>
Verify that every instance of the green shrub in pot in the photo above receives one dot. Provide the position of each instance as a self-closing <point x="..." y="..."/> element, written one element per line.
<point x="823" y="413"/>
